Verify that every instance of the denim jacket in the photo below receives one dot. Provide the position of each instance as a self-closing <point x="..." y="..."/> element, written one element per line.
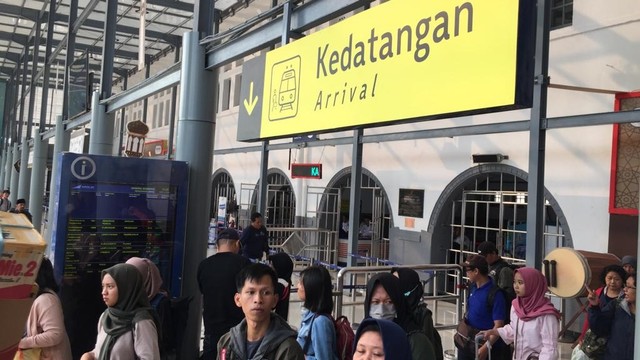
<point x="323" y="336"/>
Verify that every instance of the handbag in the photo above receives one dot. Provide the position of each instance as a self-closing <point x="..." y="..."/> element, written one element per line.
<point x="593" y="346"/>
<point x="464" y="338"/>
<point x="28" y="354"/>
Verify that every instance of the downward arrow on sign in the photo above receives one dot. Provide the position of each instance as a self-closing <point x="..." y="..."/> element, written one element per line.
<point x="250" y="104"/>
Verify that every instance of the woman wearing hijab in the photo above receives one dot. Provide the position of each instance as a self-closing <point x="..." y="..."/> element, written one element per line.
<point x="384" y="300"/>
<point x="534" y="320"/>
<point x="159" y="300"/>
<point x="45" y="324"/>
<point x="283" y="265"/>
<point x="412" y="290"/>
<point x="381" y="339"/>
<point x="127" y="329"/>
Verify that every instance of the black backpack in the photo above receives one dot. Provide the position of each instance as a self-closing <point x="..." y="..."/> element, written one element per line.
<point x="491" y="297"/>
<point x="173" y="315"/>
<point x="509" y="293"/>
<point x="424" y="319"/>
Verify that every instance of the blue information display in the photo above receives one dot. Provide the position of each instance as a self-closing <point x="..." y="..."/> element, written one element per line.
<point x="109" y="209"/>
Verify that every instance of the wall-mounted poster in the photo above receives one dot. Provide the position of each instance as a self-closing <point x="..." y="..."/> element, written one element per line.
<point x="411" y="203"/>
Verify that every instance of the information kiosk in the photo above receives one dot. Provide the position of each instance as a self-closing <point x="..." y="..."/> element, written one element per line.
<point x="109" y="209"/>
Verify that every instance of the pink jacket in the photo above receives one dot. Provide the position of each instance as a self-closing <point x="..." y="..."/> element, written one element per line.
<point x="539" y="335"/>
<point x="45" y="328"/>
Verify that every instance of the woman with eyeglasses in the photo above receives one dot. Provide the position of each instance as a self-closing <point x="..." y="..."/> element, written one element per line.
<point x="616" y="321"/>
<point x="384" y="300"/>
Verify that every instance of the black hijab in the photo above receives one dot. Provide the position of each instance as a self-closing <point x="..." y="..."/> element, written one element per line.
<point x="132" y="306"/>
<point x="410" y="285"/>
<point x="391" y="285"/>
<point x="283" y="265"/>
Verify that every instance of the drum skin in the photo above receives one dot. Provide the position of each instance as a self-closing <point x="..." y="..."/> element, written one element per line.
<point x="576" y="268"/>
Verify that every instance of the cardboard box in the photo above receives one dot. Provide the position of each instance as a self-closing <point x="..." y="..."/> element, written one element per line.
<point x="14" y="314"/>
<point x="21" y="251"/>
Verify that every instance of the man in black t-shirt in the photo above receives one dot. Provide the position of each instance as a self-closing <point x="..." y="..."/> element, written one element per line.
<point x="216" y="280"/>
<point x="255" y="239"/>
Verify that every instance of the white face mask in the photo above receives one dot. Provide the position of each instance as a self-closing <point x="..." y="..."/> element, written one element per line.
<point x="382" y="311"/>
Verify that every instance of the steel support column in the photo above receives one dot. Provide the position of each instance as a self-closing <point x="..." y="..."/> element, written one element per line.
<point x="123" y="123"/>
<point x="101" y="140"/>
<point x="20" y="139"/>
<point x="39" y="145"/>
<point x="61" y="143"/>
<point x="196" y="126"/>
<point x="71" y="44"/>
<point x="355" y="195"/>
<point x="15" y="176"/>
<point x="25" y="172"/>
<point x="172" y="113"/>
<point x="537" y="140"/>
<point x="7" y="168"/>
<point x="263" y="181"/>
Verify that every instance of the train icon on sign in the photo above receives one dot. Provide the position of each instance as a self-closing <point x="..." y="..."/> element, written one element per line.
<point x="284" y="92"/>
<point x="287" y="90"/>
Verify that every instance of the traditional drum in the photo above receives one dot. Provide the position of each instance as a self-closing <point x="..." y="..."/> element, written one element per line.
<point x="568" y="271"/>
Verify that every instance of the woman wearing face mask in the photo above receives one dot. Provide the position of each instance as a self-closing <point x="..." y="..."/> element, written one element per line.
<point x="384" y="300"/>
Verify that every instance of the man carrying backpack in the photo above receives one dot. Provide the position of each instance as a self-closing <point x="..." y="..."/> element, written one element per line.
<point x="480" y="316"/>
<point x="499" y="270"/>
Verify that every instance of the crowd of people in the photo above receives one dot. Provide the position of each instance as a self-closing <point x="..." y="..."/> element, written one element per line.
<point x="246" y="305"/>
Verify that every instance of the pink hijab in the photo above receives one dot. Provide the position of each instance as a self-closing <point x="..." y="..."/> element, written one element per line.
<point x="150" y="275"/>
<point x="534" y="303"/>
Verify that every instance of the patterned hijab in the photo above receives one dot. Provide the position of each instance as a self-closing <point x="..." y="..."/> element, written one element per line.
<point x="132" y="306"/>
<point x="151" y="278"/>
<point x="534" y="303"/>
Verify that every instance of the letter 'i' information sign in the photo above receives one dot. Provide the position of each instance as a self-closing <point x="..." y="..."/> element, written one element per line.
<point x="403" y="60"/>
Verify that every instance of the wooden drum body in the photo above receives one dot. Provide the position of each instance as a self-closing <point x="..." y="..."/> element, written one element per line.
<point x="568" y="270"/>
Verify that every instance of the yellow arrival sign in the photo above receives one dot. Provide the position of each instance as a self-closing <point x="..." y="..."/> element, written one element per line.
<point x="401" y="60"/>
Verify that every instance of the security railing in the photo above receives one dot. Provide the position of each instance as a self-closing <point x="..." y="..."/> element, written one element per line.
<point x="352" y="281"/>
<point x="308" y="243"/>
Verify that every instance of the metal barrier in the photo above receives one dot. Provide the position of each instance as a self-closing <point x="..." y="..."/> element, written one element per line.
<point x="435" y="270"/>
<point x="311" y="243"/>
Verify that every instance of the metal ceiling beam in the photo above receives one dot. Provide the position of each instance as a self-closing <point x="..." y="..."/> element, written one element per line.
<point x="19" y="12"/>
<point x="148" y="87"/>
<point x="172" y="4"/>
<point x="30" y="14"/>
<point x="11" y="36"/>
<point x="82" y="17"/>
<point x="303" y="18"/>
